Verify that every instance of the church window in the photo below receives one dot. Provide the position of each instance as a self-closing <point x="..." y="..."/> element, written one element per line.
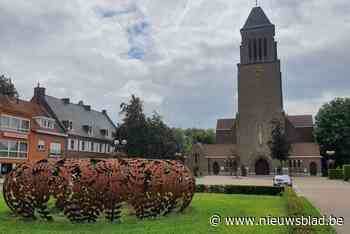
<point x="255" y="50"/>
<point x="260" y="135"/>
<point x="250" y="49"/>
<point x="294" y="163"/>
<point x="196" y="158"/>
<point x="265" y="47"/>
<point x="260" y="48"/>
<point x="290" y="163"/>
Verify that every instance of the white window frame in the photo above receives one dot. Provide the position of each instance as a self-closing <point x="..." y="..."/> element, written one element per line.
<point x="41" y="145"/>
<point x="54" y="152"/>
<point x="45" y="122"/>
<point x="18" y="149"/>
<point x="19" y="129"/>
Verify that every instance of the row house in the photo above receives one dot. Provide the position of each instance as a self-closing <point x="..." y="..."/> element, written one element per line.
<point x="27" y="133"/>
<point x="90" y="133"/>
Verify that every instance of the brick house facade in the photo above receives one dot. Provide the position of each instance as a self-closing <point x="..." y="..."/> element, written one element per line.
<point x="90" y="133"/>
<point x="27" y="133"/>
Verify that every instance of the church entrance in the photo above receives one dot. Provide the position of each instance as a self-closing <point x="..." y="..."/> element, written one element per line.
<point x="313" y="169"/>
<point x="216" y="168"/>
<point x="262" y="167"/>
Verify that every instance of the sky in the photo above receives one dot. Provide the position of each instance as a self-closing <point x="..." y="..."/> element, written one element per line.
<point x="179" y="56"/>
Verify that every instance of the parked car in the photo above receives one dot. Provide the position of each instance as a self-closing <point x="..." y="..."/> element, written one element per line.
<point x="282" y="180"/>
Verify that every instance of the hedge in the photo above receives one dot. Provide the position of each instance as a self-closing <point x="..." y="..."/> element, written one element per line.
<point x="346" y="170"/>
<point x="240" y="189"/>
<point x="335" y="174"/>
<point x="296" y="209"/>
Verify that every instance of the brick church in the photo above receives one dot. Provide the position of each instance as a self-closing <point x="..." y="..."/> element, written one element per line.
<point x="242" y="143"/>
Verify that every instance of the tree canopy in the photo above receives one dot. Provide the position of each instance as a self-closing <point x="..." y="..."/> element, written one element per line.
<point x="279" y="145"/>
<point x="147" y="137"/>
<point x="7" y="87"/>
<point x="332" y="130"/>
<point x="150" y="137"/>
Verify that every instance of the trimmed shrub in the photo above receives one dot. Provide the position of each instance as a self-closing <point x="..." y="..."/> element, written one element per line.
<point x="240" y="189"/>
<point x="346" y="170"/>
<point x="296" y="209"/>
<point x="335" y="174"/>
<point x="201" y="188"/>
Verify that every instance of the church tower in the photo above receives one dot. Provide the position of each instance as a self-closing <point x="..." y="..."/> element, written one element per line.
<point x="260" y="97"/>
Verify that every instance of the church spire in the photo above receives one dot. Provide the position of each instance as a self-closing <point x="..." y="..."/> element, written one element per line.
<point x="258" y="42"/>
<point x="257" y="18"/>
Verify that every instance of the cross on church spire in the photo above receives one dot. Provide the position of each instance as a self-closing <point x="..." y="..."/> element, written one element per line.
<point x="256" y="3"/>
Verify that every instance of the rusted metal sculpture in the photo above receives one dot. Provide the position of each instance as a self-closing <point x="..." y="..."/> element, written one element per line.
<point x="87" y="189"/>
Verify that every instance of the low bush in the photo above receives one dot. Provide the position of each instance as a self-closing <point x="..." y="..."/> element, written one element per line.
<point x="335" y="174"/>
<point x="296" y="209"/>
<point x="240" y="189"/>
<point x="346" y="169"/>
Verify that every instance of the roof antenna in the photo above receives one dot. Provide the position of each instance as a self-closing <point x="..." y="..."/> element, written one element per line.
<point x="256" y="3"/>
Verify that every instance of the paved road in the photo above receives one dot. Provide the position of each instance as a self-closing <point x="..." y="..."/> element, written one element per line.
<point x="332" y="197"/>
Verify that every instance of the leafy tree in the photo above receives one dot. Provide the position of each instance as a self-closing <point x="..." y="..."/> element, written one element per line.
<point x="7" y="87"/>
<point x="161" y="141"/>
<point x="134" y="127"/>
<point x="279" y="145"/>
<point x="147" y="137"/>
<point x="332" y="129"/>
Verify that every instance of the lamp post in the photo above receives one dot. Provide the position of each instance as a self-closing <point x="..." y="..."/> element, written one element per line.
<point x="330" y="160"/>
<point x="119" y="144"/>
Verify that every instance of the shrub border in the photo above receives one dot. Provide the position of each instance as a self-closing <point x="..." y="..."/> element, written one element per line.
<point x="240" y="189"/>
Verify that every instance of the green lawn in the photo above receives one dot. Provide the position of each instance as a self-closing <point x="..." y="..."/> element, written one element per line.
<point x="194" y="220"/>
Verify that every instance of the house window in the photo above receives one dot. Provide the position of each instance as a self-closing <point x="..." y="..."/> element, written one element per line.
<point x="41" y="145"/>
<point x="55" y="150"/>
<point x="13" y="149"/>
<point x="71" y="144"/>
<point x="14" y="124"/>
<point x="45" y="122"/>
<point x="82" y="145"/>
<point x="90" y="132"/>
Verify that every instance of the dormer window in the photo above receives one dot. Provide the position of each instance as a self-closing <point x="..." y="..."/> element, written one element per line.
<point x="88" y="129"/>
<point x="45" y="122"/>
<point x="105" y="132"/>
<point x="68" y="124"/>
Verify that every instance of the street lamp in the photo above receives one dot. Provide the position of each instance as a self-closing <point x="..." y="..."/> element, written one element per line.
<point x="119" y="144"/>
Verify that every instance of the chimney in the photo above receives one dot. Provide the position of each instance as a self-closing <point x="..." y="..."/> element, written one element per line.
<point x="81" y="103"/>
<point x="87" y="107"/>
<point x="65" y="100"/>
<point x="39" y="92"/>
<point x="104" y="112"/>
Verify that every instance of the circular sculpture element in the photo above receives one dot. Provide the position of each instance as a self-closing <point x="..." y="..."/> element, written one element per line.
<point x="86" y="189"/>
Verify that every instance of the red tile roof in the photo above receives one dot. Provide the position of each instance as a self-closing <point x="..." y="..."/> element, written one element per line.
<point x="225" y="124"/>
<point x="305" y="149"/>
<point x="218" y="150"/>
<point x="301" y="120"/>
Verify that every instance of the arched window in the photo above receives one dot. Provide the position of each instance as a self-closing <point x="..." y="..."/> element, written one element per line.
<point x="265" y="47"/>
<point x="250" y="49"/>
<point x="260" y="48"/>
<point x="255" y="50"/>
<point x="294" y="163"/>
<point x="290" y="163"/>
<point x="196" y="158"/>
<point x="299" y="163"/>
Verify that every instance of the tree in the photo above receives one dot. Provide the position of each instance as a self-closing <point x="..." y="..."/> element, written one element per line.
<point x="279" y="145"/>
<point x="7" y="87"/>
<point x="134" y="127"/>
<point x="147" y="137"/>
<point x="332" y="130"/>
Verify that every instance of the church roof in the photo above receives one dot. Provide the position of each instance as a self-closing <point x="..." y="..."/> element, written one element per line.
<point x="257" y="18"/>
<point x="218" y="150"/>
<point x="300" y="121"/>
<point x="305" y="149"/>
<point x="225" y="124"/>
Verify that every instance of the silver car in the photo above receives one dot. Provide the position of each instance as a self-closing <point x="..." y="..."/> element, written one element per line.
<point x="282" y="180"/>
